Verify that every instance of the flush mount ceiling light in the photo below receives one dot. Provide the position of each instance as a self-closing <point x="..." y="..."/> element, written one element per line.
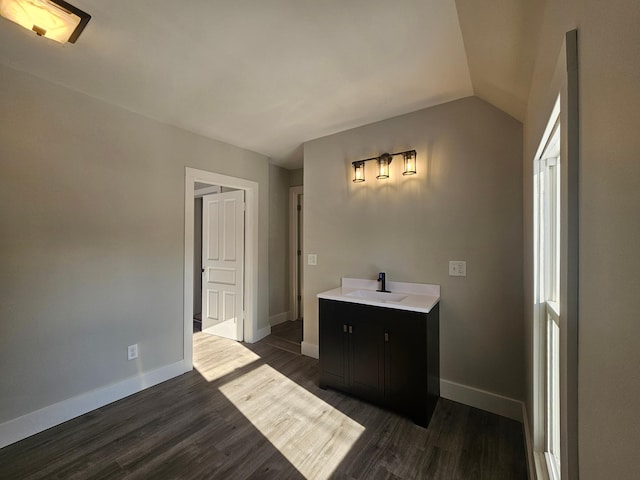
<point x="52" y="19"/>
<point x="384" y="161"/>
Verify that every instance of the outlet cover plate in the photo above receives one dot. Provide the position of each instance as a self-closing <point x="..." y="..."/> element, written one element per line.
<point x="132" y="352"/>
<point x="457" y="268"/>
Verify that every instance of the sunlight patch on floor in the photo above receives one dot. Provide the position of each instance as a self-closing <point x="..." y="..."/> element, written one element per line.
<point x="228" y="356"/>
<point x="311" y="434"/>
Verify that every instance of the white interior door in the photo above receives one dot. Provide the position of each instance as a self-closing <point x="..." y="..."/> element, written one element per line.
<point x="223" y="264"/>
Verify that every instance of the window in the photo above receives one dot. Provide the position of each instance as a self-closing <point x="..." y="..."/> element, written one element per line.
<point x="547" y="294"/>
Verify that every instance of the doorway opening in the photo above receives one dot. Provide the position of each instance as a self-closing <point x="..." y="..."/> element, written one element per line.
<point x="296" y="221"/>
<point x="249" y="310"/>
<point x="218" y="267"/>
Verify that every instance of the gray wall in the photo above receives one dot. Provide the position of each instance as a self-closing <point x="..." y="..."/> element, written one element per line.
<point x="465" y="203"/>
<point x="92" y="243"/>
<point x="296" y="177"/>
<point x="608" y="354"/>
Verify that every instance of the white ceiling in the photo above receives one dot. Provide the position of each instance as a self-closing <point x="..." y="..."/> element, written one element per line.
<point x="268" y="75"/>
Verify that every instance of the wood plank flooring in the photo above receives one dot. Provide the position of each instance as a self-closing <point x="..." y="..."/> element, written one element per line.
<point x="286" y="336"/>
<point x="256" y="412"/>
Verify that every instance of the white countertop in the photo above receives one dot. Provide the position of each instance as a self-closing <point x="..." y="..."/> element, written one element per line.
<point x="415" y="297"/>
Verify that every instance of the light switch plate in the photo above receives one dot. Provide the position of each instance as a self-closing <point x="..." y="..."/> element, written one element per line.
<point x="457" y="268"/>
<point x="312" y="259"/>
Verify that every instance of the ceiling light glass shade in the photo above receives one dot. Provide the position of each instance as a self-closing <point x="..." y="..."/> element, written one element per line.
<point x="409" y="163"/>
<point x="53" y="19"/>
<point x="358" y="172"/>
<point x="383" y="166"/>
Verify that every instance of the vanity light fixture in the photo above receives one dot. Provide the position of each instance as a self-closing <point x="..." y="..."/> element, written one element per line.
<point x="383" y="162"/>
<point x="358" y="172"/>
<point x="409" y="163"/>
<point x="383" y="166"/>
<point x="54" y="19"/>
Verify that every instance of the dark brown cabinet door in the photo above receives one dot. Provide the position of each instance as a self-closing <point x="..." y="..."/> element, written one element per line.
<point x="406" y="364"/>
<point x="333" y="346"/>
<point x="366" y="354"/>
<point x="352" y="349"/>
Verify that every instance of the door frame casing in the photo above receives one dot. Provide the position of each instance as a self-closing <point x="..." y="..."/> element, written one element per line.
<point x="294" y="193"/>
<point x="251" y="189"/>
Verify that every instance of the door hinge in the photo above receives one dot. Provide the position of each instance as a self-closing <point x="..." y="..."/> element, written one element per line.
<point x="299" y="208"/>
<point x="386" y="337"/>
<point x="299" y="252"/>
<point x="299" y="297"/>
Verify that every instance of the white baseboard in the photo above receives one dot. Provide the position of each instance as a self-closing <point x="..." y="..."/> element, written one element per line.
<point x="474" y="397"/>
<point x="310" y="350"/>
<point x="278" y="318"/>
<point x="47" y="417"/>
<point x="260" y="334"/>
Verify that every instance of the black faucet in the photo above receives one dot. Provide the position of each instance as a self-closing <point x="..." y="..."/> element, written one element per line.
<point x="383" y="281"/>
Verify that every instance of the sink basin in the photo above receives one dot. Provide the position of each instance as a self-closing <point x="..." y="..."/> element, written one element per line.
<point x="413" y="297"/>
<point x="380" y="296"/>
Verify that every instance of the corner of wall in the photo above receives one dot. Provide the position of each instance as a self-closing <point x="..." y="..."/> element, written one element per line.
<point x="482" y="399"/>
<point x="310" y="350"/>
<point x="528" y="443"/>
<point x="278" y="318"/>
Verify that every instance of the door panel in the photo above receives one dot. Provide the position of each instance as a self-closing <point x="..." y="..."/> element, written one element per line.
<point x="212" y="304"/>
<point x="221" y="275"/>
<point x="223" y="264"/>
<point x="230" y="229"/>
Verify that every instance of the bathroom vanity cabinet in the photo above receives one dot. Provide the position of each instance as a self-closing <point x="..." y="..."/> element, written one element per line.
<point x="383" y="355"/>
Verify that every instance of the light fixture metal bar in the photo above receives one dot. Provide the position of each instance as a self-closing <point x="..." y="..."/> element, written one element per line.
<point x="380" y="156"/>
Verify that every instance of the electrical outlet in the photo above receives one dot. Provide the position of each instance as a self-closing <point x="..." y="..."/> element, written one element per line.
<point x="457" y="268"/>
<point x="132" y="352"/>
<point x="312" y="259"/>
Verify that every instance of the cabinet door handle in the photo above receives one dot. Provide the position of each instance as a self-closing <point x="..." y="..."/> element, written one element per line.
<point x="386" y="337"/>
<point x="350" y="329"/>
<point x="344" y="328"/>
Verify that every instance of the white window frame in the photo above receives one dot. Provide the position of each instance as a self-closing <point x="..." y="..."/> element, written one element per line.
<point x="547" y="324"/>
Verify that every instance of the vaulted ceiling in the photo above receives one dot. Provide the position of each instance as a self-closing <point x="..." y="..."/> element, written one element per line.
<point x="268" y="75"/>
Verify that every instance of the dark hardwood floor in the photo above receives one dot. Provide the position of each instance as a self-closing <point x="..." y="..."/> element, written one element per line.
<point x="256" y="412"/>
<point x="290" y="330"/>
<point x="286" y="336"/>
